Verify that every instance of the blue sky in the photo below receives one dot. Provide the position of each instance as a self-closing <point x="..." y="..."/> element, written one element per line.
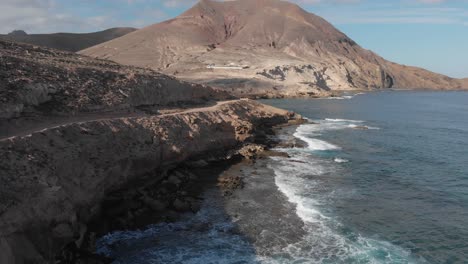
<point x="432" y="34"/>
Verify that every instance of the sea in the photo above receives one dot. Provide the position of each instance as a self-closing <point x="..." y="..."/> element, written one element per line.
<point x="379" y="177"/>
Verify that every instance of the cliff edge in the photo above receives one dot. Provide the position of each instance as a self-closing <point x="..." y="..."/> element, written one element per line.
<point x="54" y="181"/>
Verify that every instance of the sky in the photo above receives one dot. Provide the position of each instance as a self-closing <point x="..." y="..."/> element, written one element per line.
<point x="432" y="34"/>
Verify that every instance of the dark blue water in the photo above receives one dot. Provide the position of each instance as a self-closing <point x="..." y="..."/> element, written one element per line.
<point x="392" y="174"/>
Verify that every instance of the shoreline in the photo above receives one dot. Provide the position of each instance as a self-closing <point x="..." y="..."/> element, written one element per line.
<point x="340" y="93"/>
<point x="69" y="183"/>
<point x="219" y="175"/>
<point x="242" y="209"/>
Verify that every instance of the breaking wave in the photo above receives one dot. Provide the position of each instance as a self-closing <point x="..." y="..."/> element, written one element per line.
<point x="210" y="237"/>
<point x="343" y="97"/>
<point x="340" y="160"/>
<point x="324" y="241"/>
<point x="300" y="182"/>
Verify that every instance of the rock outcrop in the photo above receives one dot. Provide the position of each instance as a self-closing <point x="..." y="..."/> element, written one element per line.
<point x="54" y="181"/>
<point x="263" y="48"/>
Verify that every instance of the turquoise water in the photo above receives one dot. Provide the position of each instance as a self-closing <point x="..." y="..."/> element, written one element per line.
<point x="404" y="181"/>
<point x="383" y="178"/>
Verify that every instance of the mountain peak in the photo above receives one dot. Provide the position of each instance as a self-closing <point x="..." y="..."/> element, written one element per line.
<point x="18" y="33"/>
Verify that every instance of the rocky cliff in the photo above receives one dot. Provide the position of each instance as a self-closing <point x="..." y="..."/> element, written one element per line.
<point x="54" y="181"/>
<point x="266" y="48"/>
<point x="76" y="129"/>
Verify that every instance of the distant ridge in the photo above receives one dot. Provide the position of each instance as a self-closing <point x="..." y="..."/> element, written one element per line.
<point x="263" y="48"/>
<point x="67" y="41"/>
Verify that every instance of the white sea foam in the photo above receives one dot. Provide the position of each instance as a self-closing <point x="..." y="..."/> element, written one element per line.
<point x="343" y="97"/>
<point x="322" y="242"/>
<point x="317" y="144"/>
<point x="343" y="120"/>
<point x="300" y="183"/>
<point x="363" y="127"/>
<point x="340" y="160"/>
<point x="307" y="132"/>
<point x="289" y="180"/>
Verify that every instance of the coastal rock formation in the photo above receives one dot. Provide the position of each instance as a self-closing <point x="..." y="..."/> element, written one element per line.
<point x="67" y="41"/>
<point x="75" y="130"/>
<point x="54" y="181"/>
<point x="263" y="48"/>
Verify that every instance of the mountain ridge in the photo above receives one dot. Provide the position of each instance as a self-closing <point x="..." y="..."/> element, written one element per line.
<point x="263" y="48"/>
<point x="68" y="41"/>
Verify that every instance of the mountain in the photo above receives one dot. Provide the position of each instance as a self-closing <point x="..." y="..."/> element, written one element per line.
<point x="67" y="41"/>
<point x="266" y="48"/>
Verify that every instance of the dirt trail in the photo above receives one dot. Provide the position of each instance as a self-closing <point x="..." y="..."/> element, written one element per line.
<point x="51" y="124"/>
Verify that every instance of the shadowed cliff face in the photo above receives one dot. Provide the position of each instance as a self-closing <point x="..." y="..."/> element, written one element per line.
<point x="243" y="39"/>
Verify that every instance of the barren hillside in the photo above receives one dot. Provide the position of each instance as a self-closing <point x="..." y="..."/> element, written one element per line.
<point x="263" y="48"/>
<point x="44" y="81"/>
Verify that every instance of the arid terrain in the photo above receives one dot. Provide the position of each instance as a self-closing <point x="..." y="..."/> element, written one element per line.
<point x="129" y="131"/>
<point x="67" y="41"/>
<point x="75" y="129"/>
<point x="39" y="82"/>
<point x="266" y="48"/>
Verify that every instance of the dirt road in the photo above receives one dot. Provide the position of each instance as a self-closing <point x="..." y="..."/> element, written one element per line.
<point x="28" y="130"/>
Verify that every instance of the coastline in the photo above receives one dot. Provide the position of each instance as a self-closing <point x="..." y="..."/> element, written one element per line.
<point x="251" y="220"/>
<point x="131" y="153"/>
<point x="63" y="188"/>
<point x="359" y="154"/>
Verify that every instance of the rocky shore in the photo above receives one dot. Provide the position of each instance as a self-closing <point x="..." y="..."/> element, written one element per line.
<point x="89" y="146"/>
<point x="62" y="187"/>
<point x="241" y="215"/>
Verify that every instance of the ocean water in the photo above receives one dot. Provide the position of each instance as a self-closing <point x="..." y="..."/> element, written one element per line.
<point x="401" y="185"/>
<point x="383" y="178"/>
